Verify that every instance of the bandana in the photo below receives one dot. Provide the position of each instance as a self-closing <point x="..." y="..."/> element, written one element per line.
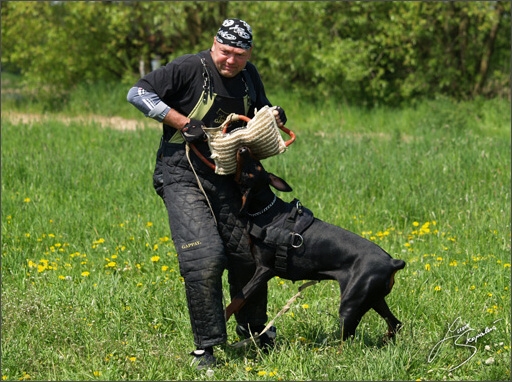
<point x="236" y="33"/>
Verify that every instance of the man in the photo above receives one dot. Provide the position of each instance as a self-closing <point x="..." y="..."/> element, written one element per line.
<point x="189" y="93"/>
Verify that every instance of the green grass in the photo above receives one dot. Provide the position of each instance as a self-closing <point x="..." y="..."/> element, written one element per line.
<point x="90" y="281"/>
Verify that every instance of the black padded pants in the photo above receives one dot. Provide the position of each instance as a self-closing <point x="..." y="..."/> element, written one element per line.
<point x="205" y="249"/>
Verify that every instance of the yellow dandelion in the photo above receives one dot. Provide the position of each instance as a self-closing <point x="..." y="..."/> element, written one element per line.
<point x="453" y="263"/>
<point x="85" y="273"/>
<point x="26" y="200"/>
<point x="155" y="259"/>
<point x="132" y="359"/>
<point x="472" y="287"/>
<point x="305" y="306"/>
<point x="506" y="265"/>
<point x="437" y="288"/>
<point x="248" y="368"/>
<point x="96" y="373"/>
<point x="155" y="247"/>
<point x="164" y="268"/>
<point x="111" y="264"/>
<point x="262" y="373"/>
<point x="415" y="224"/>
<point x="139" y="284"/>
<point x="149" y="224"/>
<point x="427" y="267"/>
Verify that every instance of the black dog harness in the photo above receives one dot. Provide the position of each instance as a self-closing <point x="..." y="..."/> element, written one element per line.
<point x="285" y="233"/>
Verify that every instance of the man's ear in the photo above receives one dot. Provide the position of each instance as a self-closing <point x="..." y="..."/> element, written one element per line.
<point x="278" y="183"/>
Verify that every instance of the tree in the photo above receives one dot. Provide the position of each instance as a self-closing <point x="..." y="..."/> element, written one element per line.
<point x="364" y="52"/>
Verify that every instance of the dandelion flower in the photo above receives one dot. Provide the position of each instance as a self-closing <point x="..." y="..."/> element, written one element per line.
<point x="85" y="274"/>
<point x="155" y="259"/>
<point x="262" y="373"/>
<point x="26" y="200"/>
<point x="132" y="359"/>
<point x="96" y="373"/>
<point x="437" y="288"/>
<point x="427" y="267"/>
<point x="305" y="306"/>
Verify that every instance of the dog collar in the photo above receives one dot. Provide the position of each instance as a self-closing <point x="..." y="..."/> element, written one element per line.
<point x="265" y="209"/>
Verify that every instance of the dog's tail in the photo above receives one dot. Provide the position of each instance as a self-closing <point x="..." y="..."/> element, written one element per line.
<point x="398" y="264"/>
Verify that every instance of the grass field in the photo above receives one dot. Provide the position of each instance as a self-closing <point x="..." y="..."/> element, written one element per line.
<point x="90" y="280"/>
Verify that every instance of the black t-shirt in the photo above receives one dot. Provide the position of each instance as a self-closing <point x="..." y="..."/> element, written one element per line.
<point x="180" y="83"/>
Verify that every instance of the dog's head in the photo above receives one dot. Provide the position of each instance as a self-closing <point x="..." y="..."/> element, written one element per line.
<point x="251" y="177"/>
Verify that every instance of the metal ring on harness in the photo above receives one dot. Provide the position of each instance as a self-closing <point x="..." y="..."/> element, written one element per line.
<point x="211" y="165"/>
<point x="301" y="241"/>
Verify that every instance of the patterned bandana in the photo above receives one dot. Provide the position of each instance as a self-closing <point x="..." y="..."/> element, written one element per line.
<point x="236" y="33"/>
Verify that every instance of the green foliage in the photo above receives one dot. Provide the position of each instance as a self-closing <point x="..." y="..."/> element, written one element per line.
<point x="362" y="52"/>
<point x="90" y="280"/>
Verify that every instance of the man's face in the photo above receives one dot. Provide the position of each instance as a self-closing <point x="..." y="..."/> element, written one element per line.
<point x="229" y="60"/>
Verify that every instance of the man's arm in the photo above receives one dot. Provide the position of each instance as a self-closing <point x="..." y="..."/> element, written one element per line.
<point x="153" y="107"/>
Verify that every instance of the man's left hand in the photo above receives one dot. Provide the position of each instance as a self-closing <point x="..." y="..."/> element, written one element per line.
<point x="280" y="116"/>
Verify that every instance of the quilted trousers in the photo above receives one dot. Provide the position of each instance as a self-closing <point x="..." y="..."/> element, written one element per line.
<point x="207" y="243"/>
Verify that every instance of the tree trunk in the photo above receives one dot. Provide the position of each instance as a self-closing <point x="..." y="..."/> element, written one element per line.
<point x="488" y="49"/>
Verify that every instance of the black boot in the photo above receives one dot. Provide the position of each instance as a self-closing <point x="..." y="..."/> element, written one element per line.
<point x="266" y="341"/>
<point x="203" y="358"/>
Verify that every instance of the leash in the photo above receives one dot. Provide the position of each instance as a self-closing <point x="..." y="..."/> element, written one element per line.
<point x="187" y="151"/>
<point x="281" y="312"/>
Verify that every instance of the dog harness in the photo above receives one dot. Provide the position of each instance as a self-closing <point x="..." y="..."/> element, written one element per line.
<point x="284" y="233"/>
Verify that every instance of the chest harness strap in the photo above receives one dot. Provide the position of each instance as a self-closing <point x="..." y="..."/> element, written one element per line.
<point x="285" y="236"/>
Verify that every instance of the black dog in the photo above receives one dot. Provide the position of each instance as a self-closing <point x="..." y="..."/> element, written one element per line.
<point x="287" y="241"/>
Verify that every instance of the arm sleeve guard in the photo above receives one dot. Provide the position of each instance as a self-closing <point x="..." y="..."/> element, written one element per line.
<point x="148" y="103"/>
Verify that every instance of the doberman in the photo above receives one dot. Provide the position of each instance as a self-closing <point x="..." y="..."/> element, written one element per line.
<point x="287" y="241"/>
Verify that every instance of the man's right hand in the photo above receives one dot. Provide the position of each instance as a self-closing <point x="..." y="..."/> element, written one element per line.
<point x="193" y="131"/>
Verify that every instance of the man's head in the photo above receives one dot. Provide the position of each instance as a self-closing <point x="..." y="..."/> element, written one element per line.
<point x="232" y="47"/>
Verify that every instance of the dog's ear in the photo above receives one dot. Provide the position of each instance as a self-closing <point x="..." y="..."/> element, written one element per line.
<point x="278" y="183"/>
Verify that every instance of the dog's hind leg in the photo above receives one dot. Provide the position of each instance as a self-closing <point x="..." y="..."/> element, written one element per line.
<point x="352" y="310"/>
<point x="382" y="308"/>
<point x="260" y="277"/>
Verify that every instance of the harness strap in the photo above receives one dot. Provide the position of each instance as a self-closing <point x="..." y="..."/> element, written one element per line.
<point x="281" y="237"/>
